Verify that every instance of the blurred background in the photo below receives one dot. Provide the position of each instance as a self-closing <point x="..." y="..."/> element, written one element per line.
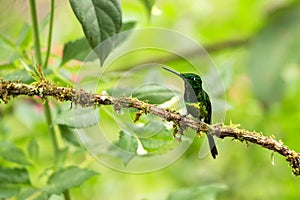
<point x="255" y="46"/>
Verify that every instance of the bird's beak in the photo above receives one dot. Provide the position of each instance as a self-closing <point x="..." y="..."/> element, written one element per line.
<point x="174" y="72"/>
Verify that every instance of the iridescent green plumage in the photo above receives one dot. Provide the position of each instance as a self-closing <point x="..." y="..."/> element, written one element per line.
<point x="197" y="102"/>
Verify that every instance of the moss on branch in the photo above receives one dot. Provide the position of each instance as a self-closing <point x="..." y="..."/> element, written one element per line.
<point x="80" y="97"/>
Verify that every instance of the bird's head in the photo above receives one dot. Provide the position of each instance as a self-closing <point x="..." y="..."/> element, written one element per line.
<point x="191" y="80"/>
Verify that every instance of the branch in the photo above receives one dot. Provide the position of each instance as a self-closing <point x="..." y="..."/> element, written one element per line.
<point x="80" y="97"/>
<point x="211" y="48"/>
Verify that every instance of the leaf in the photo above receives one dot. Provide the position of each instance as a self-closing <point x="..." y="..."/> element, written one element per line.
<point x="30" y="72"/>
<point x="100" y="20"/>
<point x="25" y="194"/>
<point x="19" y="75"/>
<point x="154" y="94"/>
<point x="7" y="190"/>
<point x="158" y="142"/>
<point x="14" y="175"/>
<point x="22" y="75"/>
<point x="41" y="197"/>
<point x="208" y="192"/>
<point x="127" y="147"/>
<point x="147" y="126"/>
<point x="67" y="178"/>
<point x="69" y="135"/>
<point x="272" y="50"/>
<point x="148" y="4"/>
<point x="7" y="41"/>
<point x="127" y="142"/>
<point x="33" y="149"/>
<point x="32" y="194"/>
<point x="126" y="26"/>
<point x="78" y="118"/>
<point x="25" y="37"/>
<point x="56" y="197"/>
<point x="13" y="154"/>
<point x="152" y="133"/>
<point x="7" y="48"/>
<point x="78" y="50"/>
<point x="7" y="66"/>
<point x="61" y="157"/>
<point x="125" y="31"/>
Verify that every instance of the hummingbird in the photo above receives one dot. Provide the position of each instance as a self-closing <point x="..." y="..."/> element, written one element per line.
<point x="197" y="102"/>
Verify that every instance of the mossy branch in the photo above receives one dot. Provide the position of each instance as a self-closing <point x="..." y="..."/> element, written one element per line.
<point x="80" y="97"/>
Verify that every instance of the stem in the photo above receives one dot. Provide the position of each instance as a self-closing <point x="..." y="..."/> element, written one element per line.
<point x="36" y="35"/>
<point x="67" y="195"/>
<point x="37" y="46"/>
<point x="49" y="34"/>
<point x="38" y="54"/>
<point x="50" y="127"/>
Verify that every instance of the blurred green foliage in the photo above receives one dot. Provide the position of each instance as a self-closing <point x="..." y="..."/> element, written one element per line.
<point x="262" y="80"/>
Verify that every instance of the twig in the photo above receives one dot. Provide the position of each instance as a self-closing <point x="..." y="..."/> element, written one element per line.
<point x="10" y="89"/>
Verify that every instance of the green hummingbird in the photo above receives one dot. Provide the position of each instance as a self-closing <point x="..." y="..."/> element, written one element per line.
<point x="197" y="102"/>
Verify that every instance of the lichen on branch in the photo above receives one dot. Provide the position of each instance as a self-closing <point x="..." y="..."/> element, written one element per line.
<point x="9" y="89"/>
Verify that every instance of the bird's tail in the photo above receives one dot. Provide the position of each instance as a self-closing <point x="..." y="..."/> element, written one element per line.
<point x="212" y="146"/>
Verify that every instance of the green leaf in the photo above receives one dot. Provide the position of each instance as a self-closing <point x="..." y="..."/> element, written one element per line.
<point x="127" y="142"/>
<point x="61" y="157"/>
<point x="69" y="135"/>
<point x="56" y="197"/>
<point x="14" y="175"/>
<point x="78" y="50"/>
<point x="22" y="75"/>
<point x="126" y="26"/>
<point x="7" y="190"/>
<point x="30" y="72"/>
<point x="41" y="197"/>
<point x="208" y="192"/>
<point x="67" y="178"/>
<point x="100" y="20"/>
<point x="33" y="149"/>
<point x="7" y="66"/>
<point x="154" y="94"/>
<point x="13" y="154"/>
<point x="159" y="142"/>
<point x="26" y="193"/>
<point x="7" y="41"/>
<point x="125" y="31"/>
<point x="147" y="126"/>
<point x="78" y="118"/>
<point x="32" y="194"/>
<point x="148" y="4"/>
<point x="127" y="147"/>
<point x="25" y="37"/>
<point x="19" y="75"/>
<point x="274" y="48"/>
<point x="7" y="48"/>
